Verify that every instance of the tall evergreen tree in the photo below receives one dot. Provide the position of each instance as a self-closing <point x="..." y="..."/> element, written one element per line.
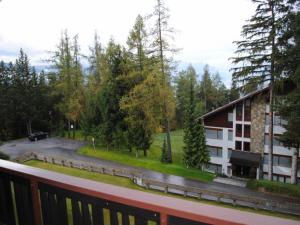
<point x="289" y="103"/>
<point x="201" y="155"/>
<point x="189" y="129"/>
<point x="69" y="82"/>
<point x="161" y="47"/>
<point x="258" y="53"/>
<point x="182" y="88"/>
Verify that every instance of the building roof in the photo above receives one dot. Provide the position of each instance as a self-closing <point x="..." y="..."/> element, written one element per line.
<point x="230" y="104"/>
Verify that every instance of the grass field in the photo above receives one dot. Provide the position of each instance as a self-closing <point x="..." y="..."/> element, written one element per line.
<point x="291" y="190"/>
<point x="124" y="182"/>
<point x="152" y="161"/>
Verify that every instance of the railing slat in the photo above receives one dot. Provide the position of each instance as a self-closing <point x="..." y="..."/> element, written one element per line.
<point x="62" y="208"/>
<point x="6" y="205"/>
<point x="140" y="221"/>
<point x="76" y="212"/>
<point x="97" y="213"/>
<point x="125" y="219"/>
<point x="86" y="213"/>
<point x="23" y="201"/>
<point x="113" y="217"/>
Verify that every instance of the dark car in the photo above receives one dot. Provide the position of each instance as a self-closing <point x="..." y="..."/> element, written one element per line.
<point x="37" y="136"/>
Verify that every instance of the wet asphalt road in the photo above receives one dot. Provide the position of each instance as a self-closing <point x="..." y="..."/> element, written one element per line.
<point x="66" y="148"/>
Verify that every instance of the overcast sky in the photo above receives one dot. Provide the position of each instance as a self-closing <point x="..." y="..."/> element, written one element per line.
<point x="206" y="28"/>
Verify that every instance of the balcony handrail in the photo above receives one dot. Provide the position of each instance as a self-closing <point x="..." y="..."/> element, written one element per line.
<point x="164" y="205"/>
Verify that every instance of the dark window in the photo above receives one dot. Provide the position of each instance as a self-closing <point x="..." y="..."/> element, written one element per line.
<point x="229" y="153"/>
<point x="238" y="145"/>
<point x="282" y="161"/>
<point x="230" y="135"/>
<point x="214" y="134"/>
<point x="239" y="111"/>
<point x="247" y="146"/>
<point x="247" y="131"/>
<point x="238" y="130"/>
<point x="230" y="117"/>
<point x="276" y="141"/>
<point x="214" y="167"/>
<point x="214" y="151"/>
<point x="247" y="111"/>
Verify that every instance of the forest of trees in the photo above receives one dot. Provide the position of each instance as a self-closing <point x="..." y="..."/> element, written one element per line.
<point x="124" y="96"/>
<point x="128" y="93"/>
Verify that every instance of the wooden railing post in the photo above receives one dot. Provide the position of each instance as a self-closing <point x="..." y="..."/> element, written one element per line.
<point x="36" y="202"/>
<point x="163" y="219"/>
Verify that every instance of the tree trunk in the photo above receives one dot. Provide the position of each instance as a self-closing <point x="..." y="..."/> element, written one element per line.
<point x="270" y="147"/>
<point x="169" y="148"/>
<point x="272" y="71"/>
<point x="145" y="152"/>
<point x="294" y="166"/>
<point x="69" y="129"/>
<point x="167" y="123"/>
<point x="74" y="131"/>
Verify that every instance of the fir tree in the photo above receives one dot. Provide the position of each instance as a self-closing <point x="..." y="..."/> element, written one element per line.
<point x="189" y="130"/>
<point x="289" y="103"/>
<point x="258" y="53"/>
<point x="161" y="47"/>
<point x="201" y="155"/>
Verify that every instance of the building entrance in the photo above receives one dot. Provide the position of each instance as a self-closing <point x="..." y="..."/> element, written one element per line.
<point x="244" y="171"/>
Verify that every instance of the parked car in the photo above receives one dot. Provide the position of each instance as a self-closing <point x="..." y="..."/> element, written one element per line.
<point x="37" y="136"/>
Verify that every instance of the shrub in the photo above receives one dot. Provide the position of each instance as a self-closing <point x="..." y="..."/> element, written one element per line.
<point x="275" y="187"/>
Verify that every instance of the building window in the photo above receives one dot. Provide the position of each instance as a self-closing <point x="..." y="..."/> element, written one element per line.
<point x="230" y="135"/>
<point x="247" y="111"/>
<point x="238" y="130"/>
<point x="214" y="134"/>
<point x="238" y="145"/>
<point x="247" y="131"/>
<point x="214" y="168"/>
<point x="247" y="146"/>
<point x="239" y="111"/>
<point x="278" y="121"/>
<point x="229" y="153"/>
<point x="276" y="141"/>
<point x="215" y="151"/>
<point x="282" y="161"/>
<point x="230" y="117"/>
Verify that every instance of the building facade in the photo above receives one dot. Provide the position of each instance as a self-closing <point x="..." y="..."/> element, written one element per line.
<point x="237" y="139"/>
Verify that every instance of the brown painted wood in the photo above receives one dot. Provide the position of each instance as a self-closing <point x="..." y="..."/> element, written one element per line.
<point x="162" y="204"/>
<point x="36" y="202"/>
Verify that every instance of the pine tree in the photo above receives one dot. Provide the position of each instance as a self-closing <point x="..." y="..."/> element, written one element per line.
<point x="182" y="88"/>
<point x="201" y="154"/>
<point x="258" y="53"/>
<point x="189" y="130"/>
<point x="289" y="103"/>
<point x="161" y="47"/>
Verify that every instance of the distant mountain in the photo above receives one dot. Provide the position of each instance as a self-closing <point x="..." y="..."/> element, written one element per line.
<point x="199" y="67"/>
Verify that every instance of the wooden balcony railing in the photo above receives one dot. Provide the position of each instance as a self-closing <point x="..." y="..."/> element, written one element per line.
<point x="31" y="196"/>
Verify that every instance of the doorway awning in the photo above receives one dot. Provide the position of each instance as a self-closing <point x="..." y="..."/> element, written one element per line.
<point x="244" y="158"/>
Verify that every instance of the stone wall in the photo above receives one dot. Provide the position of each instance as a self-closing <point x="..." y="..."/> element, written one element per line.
<point x="258" y="112"/>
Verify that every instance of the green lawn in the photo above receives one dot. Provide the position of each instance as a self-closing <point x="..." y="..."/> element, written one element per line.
<point x="152" y="161"/>
<point x="124" y="182"/>
<point x="291" y="190"/>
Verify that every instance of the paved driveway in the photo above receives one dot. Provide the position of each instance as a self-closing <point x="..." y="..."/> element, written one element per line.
<point x="54" y="145"/>
<point x="61" y="147"/>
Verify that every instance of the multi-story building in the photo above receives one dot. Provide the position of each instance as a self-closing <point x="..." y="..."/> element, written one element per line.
<point x="237" y="139"/>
